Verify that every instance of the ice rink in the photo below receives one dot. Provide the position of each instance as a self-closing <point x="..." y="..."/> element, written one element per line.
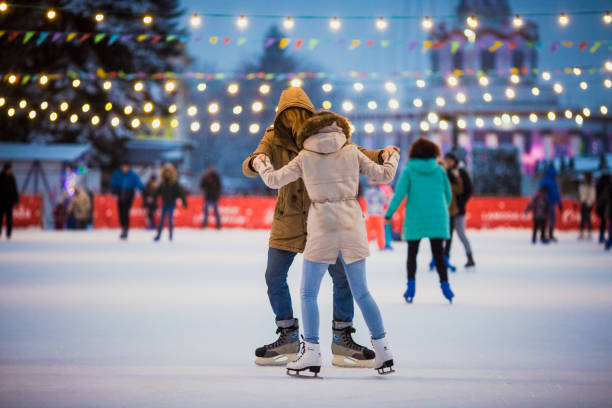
<point x="89" y="321"/>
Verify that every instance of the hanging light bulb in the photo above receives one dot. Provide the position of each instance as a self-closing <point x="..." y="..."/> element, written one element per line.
<point x="296" y="82"/>
<point x="393" y="104"/>
<point x="533" y="118"/>
<point x="95" y="120"/>
<point x="11" y="112"/>
<point x="3" y="7"/>
<point x="174" y="123"/>
<point x="515" y="79"/>
<point x="53" y="116"/>
<point x="64" y="106"/>
<point x="257" y="106"/>
<point x="586" y="112"/>
<point x="12" y="79"/>
<point x="546" y="76"/>
<point x="32" y="114"/>
<point x="288" y="23"/>
<point x="517" y="21"/>
<point x="424" y="125"/>
<point x="607" y="18"/>
<point x="234" y="127"/>
<point x="368" y="127"/>
<point x="335" y="24"/>
<point x="440" y="101"/>
<point x="577" y="71"/>
<point x="85" y="108"/>
<point x="326" y="105"/>
<point x="213" y="107"/>
<point x="148" y="107"/>
<point x="568" y="114"/>
<point x="387" y="127"/>
<point x="327" y="87"/>
<point x="242" y="22"/>
<point x="115" y="121"/>
<point x="195" y="126"/>
<point x="608" y="65"/>
<point x="583" y="85"/>
<point x="76" y="83"/>
<point x="264" y="89"/>
<point x="99" y="17"/>
<point x="172" y="108"/>
<point x="358" y="86"/>
<point x="461" y="98"/>
<point x="195" y="20"/>
<point x="347" y="106"/>
<point x="43" y="80"/>
<point x="603" y="109"/>
<point x="472" y="22"/>
<point x="128" y="109"/>
<point x="2" y="102"/>
<point x="155" y="123"/>
<point x="215" y="127"/>
<point x="43" y="105"/>
<point x="237" y="110"/>
<point x="461" y="123"/>
<point x="483" y="80"/>
<point x="487" y="97"/>
<point x="381" y="24"/>
<point x="405" y="126"/>
<point x="107" y="85"/>
<point x="607" y="83"/>
<point x="372" y="105"/>
<point x="432" y="117"/>
<point x="51" y="14"/>
<point x="557" y="87"/>
<point x="443" y="125"/>
<point x="254" y="128"/>
<point x="563" y="19"/>
<point x="138" y="86"/>
<point x="510" y="93"/>
<point x="202" y="86"/>
<point x="390" y="87"/>
<point x="420" y="83"/>
<point x="479" y="122"/>
<point x="74" y="118"/>
<point x="170" y="86"/>
<point x="427" y="23"/>
<point x="452" y="81"/>
<point x="233" y="88"/>
<point x="22" y="104"/>
<point x="579" y="120"/>
<point x="417" y="102"/>
<point x="147" y="19"/>
<point x="535" y="91"/>
<point x="551" y="116"/>
<point x="135" y="123"/>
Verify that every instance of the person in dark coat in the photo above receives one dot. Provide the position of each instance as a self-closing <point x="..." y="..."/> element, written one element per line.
<point x="554" y="199"/>
<point x="169" y="189"/>
<point x="60" y="214"/>
<point x="601" y="204"/>
<point x="211" y="188"/>
<point x="540" y="207"/>
<point x="9" y="197"/>
<point x="123" y="184"/>
<point x="149" y="201"/>
<point x="454" y="170"/>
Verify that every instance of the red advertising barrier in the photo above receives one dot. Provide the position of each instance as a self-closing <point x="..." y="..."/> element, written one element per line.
<point x="258" y="212"/>
<point x="28" y="212"/>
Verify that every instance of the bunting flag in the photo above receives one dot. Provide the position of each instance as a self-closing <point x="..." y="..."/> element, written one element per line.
<point x="109" y="38"/>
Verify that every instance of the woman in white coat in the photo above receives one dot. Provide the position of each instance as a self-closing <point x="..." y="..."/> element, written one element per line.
<point x="330" y="166"/>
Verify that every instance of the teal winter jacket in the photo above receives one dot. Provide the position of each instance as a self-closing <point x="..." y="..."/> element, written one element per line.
<point x="425" y="186"/>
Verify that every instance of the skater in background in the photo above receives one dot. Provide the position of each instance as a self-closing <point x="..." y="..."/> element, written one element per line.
<point x="211" y="188"/>
<point x="586" y="200"/>
<point x="170" y="190"/>
<point x="80" y="207"/>
<point x="149" y="201"/>
<point x="601" y="203"/>
<point x="540" y="208"/>
<point x="462" y="192"/>
<point x="554" y="199"/>
<point x="60" y="214"/>
<point x="425" y="186"/>
<point x="9" y="197"/>
<point x="330" y="166"/>
<point x="288" y="238"/>
<point x="123" y="184"/>
<point x="608" y="193"/>
<point x="375" y="221"/>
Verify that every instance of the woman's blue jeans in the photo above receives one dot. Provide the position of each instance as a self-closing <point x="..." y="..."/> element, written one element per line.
<point x="356" y="275"/>
<point x="167" y="212"/>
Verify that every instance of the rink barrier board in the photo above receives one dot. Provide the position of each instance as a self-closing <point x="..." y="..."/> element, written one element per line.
<point x="258" y="213"/>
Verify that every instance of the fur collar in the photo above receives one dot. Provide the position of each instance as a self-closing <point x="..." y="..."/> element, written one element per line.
<point x="318" y="121"/>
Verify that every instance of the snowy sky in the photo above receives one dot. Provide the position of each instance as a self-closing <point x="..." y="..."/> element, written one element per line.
<point x="333" y="59"/>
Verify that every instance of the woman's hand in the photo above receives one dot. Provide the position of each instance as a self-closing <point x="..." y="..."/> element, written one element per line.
<point x="259" y="163"/>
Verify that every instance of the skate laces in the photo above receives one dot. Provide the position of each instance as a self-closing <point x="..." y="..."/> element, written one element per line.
<point x="348" y="339"/>
<point x="281" y="339"/>
<point x="302" y="350"/>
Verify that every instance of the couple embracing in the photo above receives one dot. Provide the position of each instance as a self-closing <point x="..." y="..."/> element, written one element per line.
<point x="309" y="157"/>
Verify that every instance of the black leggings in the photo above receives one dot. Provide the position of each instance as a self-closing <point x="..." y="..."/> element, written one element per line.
<point x="539" y="224"/>
<point x="585" y="217"/>
<point x="437" y="249"/>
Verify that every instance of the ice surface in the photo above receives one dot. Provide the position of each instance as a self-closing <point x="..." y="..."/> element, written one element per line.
<point x="87" y="320"/>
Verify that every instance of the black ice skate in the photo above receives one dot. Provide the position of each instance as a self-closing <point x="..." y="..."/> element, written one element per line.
<point x="347" y="353"/>
<point x="283" y="350"/>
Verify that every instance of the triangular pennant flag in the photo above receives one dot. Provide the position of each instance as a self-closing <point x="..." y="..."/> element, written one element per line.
<point x="412" y="45"/>
<point x="84" y="37"/>
<point x="454" y="46"/>
<point x="436" y="45"/>
<point x="227" y="40"/>
<point x="42" y="38"/>
<point x="370" y="43"/>
<point x="512" y="45"/>
<point x="354" y="44"/>
<point x="198" y="38"/>
<point x="2" y="33"/>
<point x="28" y="35"/>
<point x="312" y="43"/>
<point x="582" y="46"/>
<point x="170" y="38"/>
<point x="142" y="37"/>
<point x="214" y="40"/>
<point x="426" y="45"/>
<point x="113" y="38"/>
<point x="240" y="41"/>
<point x="184" y="38"/>
<point x="595" y="46"/>
<point x="530" y="43"/>
<point x="70" y="37"/>
<point x="554" y="46"/>
<point x="100" y="72"/>
<point x="25" y="79"/>
<point x="298" y="43"/>
<point x="99" y="37"/>
<point x="284" y="42"/>
<point x="384" y="43"/>
<point x="568" y="44"/>
<point x="156" y="39"/>
<point x="12" y="36"/>
<point x="269" y="42"/>
<point x="56" y="37"/>
<point x="495" y="46"/>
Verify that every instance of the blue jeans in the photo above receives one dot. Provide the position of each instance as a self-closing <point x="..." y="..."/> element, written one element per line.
<point x="167" y="211"/>
<point x="279" y="262"/>
<point x="215" y="206"/>
<point x="356" y="274"/>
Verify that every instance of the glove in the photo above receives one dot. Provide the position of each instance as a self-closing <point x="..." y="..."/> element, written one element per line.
<point x="261" y="162"/>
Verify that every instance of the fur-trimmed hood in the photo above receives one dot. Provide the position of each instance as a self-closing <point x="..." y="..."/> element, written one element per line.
<point x="321" y="122"/>
<point x="169" y="174"/>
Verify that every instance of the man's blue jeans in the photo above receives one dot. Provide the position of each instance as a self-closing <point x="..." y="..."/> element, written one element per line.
<point x="215" y="206"/>
<point x="311" y="282"/>
<point x="279" y="262"/>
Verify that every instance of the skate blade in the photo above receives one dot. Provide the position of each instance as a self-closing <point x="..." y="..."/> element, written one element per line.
<point x="300" y="373"/>
<point x="280" y="360"/>
<point x="346" y="361"/>
<point x="386" y="368"/>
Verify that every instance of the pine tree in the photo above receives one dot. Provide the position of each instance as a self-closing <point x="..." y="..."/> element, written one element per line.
<point x="73" y="58"/>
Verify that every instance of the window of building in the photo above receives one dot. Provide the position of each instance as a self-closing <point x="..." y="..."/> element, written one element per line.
<point x="487" y="60"/>
<point x="458" y="60"/>
<point x="518" y="59"/>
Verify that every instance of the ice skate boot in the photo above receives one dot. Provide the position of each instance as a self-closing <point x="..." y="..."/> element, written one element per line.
<point x="470" y="261"/>
<point x="346" y="352"/>
<point x="309" y="360"/>
<point x="383" y="363"/>
<point x="283" y="350"/>
<point x="410" y="290"/>
<point x="447" y="292"/>
<point x="452" y="268"/>
<point x="608" y="244"/>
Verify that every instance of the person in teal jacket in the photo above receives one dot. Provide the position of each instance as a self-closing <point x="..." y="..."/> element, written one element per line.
<point x="425" y="186"/>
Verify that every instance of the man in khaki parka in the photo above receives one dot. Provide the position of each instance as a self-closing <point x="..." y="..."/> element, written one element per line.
<point x="288" y="237"/>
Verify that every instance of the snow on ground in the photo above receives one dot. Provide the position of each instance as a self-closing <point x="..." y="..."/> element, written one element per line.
<point x="87" y="320"/>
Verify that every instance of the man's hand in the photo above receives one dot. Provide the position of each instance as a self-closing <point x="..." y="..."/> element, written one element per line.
<point x="389" y="150"/>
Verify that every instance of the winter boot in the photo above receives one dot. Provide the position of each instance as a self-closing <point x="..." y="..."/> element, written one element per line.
<point x="470" y="261"/>
<point x="283" y="350"/>
<point x="410" y="290"/>
<point x="383" y="362"/>
<point x="346" y="352"/>
<point x="308" y="360"/>
<point x="608" y="244"/>
<point x="602" y="239"/>
<point x="447" y="292"/>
